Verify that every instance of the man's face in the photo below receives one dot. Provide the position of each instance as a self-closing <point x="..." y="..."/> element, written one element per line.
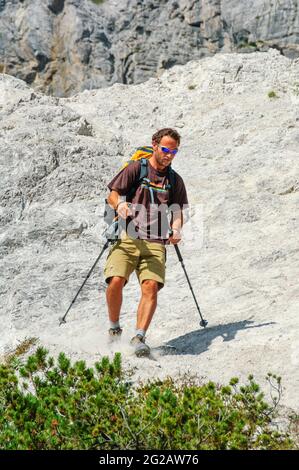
<point x="164" y="159"/>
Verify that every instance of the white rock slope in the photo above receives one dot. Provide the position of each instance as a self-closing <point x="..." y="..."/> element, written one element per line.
<point x="239" y="159"/>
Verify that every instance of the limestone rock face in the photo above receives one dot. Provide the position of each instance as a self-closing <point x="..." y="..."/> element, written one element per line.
<point x="62" y="47"/>
<point x="239" y="121"/>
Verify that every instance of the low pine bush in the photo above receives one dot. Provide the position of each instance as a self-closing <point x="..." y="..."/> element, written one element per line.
<point x="98" y="2"/>
<point x="48" y="404"/>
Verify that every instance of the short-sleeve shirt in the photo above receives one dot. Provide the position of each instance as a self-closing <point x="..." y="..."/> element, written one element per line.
<point x="150" y="206"/>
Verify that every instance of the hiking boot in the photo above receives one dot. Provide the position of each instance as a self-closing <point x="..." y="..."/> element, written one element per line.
<point x="141" y="349"/>
<point x="115" y="333"/>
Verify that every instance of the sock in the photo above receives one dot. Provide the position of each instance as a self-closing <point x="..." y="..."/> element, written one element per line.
<point x="114" y="325"/>
<point x="140" y="333"/>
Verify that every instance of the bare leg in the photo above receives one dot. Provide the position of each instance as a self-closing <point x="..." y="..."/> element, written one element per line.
<point x="114" y="297"/>
<point x="147" y="304"/>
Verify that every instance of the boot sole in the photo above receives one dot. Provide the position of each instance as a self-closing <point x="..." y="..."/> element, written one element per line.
<point x="144" y="352"/>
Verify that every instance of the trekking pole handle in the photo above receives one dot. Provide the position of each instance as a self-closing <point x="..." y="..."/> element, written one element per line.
<point x="179" y="254"/>
<point x="176" y="247"/>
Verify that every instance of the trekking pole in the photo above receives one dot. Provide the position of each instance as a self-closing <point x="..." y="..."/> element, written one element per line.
<point x="202" y="322"/>
<point x="109" y="234"/>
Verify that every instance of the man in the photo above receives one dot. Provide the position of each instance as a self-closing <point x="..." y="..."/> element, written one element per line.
<point x="142" y="249"/>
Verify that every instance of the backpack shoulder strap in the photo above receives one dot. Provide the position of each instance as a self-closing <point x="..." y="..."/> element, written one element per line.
<point x="142" y="174"/>
<point x="172" y="177"/>
<point x="143" y="169"/>
<point x="171" y="185"/>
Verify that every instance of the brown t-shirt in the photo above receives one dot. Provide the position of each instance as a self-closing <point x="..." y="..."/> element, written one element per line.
<point x="150" y="204"/>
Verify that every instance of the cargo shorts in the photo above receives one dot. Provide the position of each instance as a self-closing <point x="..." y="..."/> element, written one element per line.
<point x="144" y="257"/>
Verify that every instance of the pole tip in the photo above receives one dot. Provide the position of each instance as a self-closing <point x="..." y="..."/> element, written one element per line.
<point x="61" y="321"/>
<point x="203" y="323"/>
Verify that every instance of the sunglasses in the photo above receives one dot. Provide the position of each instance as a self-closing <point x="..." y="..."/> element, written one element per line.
<point x="167" y="150"/>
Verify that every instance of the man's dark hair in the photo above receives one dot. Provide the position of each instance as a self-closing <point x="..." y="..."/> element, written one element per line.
<point x="167" y="131"/>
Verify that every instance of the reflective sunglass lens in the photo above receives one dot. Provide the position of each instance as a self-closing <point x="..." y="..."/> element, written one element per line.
<point x="167" y="150"/>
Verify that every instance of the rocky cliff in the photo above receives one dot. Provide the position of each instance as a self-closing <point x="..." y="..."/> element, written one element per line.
<point x="239" y="120"/>
<point x="64" y="46"/>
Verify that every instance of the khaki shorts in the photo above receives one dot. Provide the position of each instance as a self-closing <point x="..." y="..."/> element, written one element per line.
<point x="145" y="257"/>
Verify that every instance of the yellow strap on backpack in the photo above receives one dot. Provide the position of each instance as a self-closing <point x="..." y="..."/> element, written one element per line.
<point x="141" y="152"/>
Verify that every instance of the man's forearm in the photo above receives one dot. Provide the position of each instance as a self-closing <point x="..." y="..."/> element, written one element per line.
<point x="119" y="204"/>
<point x="177" y="222"/>
<point x="114" y="199"/>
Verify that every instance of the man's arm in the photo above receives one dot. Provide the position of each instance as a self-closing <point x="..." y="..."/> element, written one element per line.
<point x="179" y="203"/>
<point x="120" y="186"/>
<point x="118" y="203"/>
<point x="176" y="227"/>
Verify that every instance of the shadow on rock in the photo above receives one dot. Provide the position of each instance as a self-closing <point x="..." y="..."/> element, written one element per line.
<point x="196" y="342"/>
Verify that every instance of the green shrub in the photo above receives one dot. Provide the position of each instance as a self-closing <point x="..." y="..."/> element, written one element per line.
<point x="98" y="2"/>
<point x="48" y="404"/>
<point x="272" y="94"/>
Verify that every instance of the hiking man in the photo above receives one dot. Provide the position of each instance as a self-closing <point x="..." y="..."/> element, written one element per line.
<point x="142" y="248"/>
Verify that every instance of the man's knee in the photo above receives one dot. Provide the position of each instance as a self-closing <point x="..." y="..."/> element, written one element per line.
<point x="116" y="282"/>
<point x="150" y="287"/>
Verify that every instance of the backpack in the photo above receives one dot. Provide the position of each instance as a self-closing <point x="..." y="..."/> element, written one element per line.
<point x="142" y="154"/>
